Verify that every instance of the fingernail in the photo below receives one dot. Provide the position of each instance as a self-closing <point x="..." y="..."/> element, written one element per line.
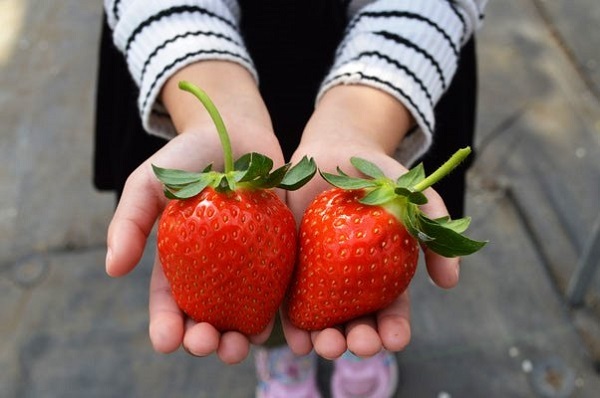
<point x="108" y="258"/>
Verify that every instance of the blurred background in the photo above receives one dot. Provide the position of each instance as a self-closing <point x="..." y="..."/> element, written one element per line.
<point x="523" y="322"/>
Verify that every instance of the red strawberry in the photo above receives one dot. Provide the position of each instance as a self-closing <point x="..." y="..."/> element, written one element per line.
<point x="227" y="243"/>
<point x="359" y="244"/>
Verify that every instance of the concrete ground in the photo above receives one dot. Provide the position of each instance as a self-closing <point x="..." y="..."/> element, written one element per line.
<point x="67" y="330"/>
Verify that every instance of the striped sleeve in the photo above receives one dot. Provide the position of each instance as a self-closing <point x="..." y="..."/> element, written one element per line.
<point x="408" y="49"/>
<point x="159" y="37"/>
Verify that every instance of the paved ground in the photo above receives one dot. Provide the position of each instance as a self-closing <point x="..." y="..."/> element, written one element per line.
<point x="67" y="330"/>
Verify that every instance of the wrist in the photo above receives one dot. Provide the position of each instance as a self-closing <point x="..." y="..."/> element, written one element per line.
<point x="362" y="115"/>
<point x="230" y="86"/>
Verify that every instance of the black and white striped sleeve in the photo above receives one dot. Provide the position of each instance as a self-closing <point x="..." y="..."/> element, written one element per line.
<point x="159" y="37"/>
<point x="408" y="49"/>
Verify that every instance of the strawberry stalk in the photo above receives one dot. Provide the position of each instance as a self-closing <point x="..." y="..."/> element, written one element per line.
<point x="217" y="120"/>
<point x="402" y="199"/>
<point x="251" y="171"/>
<point x="443" y="170"/>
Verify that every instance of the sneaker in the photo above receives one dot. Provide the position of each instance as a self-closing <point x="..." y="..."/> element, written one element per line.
<point x="375" y="377"/>
<point x="282" y="374"/>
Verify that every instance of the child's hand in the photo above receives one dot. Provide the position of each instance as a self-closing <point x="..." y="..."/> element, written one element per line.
<point x="140" y="206"/>
<point x="389" y="328"/>
<point x="143" y="200"/>
<point x="336" y="133"/>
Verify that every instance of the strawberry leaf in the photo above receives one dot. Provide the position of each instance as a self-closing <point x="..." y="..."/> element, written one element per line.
<point x="169" y="194"/>
<point x="409" y="219"/>
<point x="175" y="177"/>
<point x="190" y="189"/>
<point x="417" y="198"/>
<point x="347" y="182"/>
<point x="412" y="177"/>
<point x="367" y="168"/>
<point x="446" y="241"/>
<point x="298" y="175"/>
<point x="254" y="165"/>
<point x="341" y="172"/>
<point x="273" y="179"/>
<point x="378" y="196"/>
<point x="459" y="225"/>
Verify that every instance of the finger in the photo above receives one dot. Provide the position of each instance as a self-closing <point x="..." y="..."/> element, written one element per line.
<point x="298" y="340"/>
<point x="443" y="271"/>
<point x="363" y="337"/>
<point x="260" y="338"/>
<point x="329" y="343"/>
<point x="435" y="206"/>
<point x="166" y="327"/>
<point x="140" y="205"/>
<point x="201" y="339"/>
<point x="393" y="324"/>
<point x="233" y="347"/>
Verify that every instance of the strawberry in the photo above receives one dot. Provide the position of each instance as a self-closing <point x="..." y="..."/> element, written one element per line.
<point x="359" y="243"/>
<point x="226" y="242"/>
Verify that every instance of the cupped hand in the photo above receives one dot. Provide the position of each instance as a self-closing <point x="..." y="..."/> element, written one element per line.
<point x="389" y="328"/>
<point x="140" y="206"/>
<point x="143" y="200"/>
<point x="332" y="137"/>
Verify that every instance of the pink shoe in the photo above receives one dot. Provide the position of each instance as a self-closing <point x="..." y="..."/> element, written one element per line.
<point x="375" y="377"/>
<point x="282" y="374"/>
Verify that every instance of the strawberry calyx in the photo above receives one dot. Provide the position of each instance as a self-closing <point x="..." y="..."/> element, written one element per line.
<point x="402" y="198"/>
<point x="251" y="171"/>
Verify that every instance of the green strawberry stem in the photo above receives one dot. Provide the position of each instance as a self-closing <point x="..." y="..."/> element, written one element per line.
<point x="443" y="170"/>
<point x="217" y="119"/>
<point x="250" y="171"/>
